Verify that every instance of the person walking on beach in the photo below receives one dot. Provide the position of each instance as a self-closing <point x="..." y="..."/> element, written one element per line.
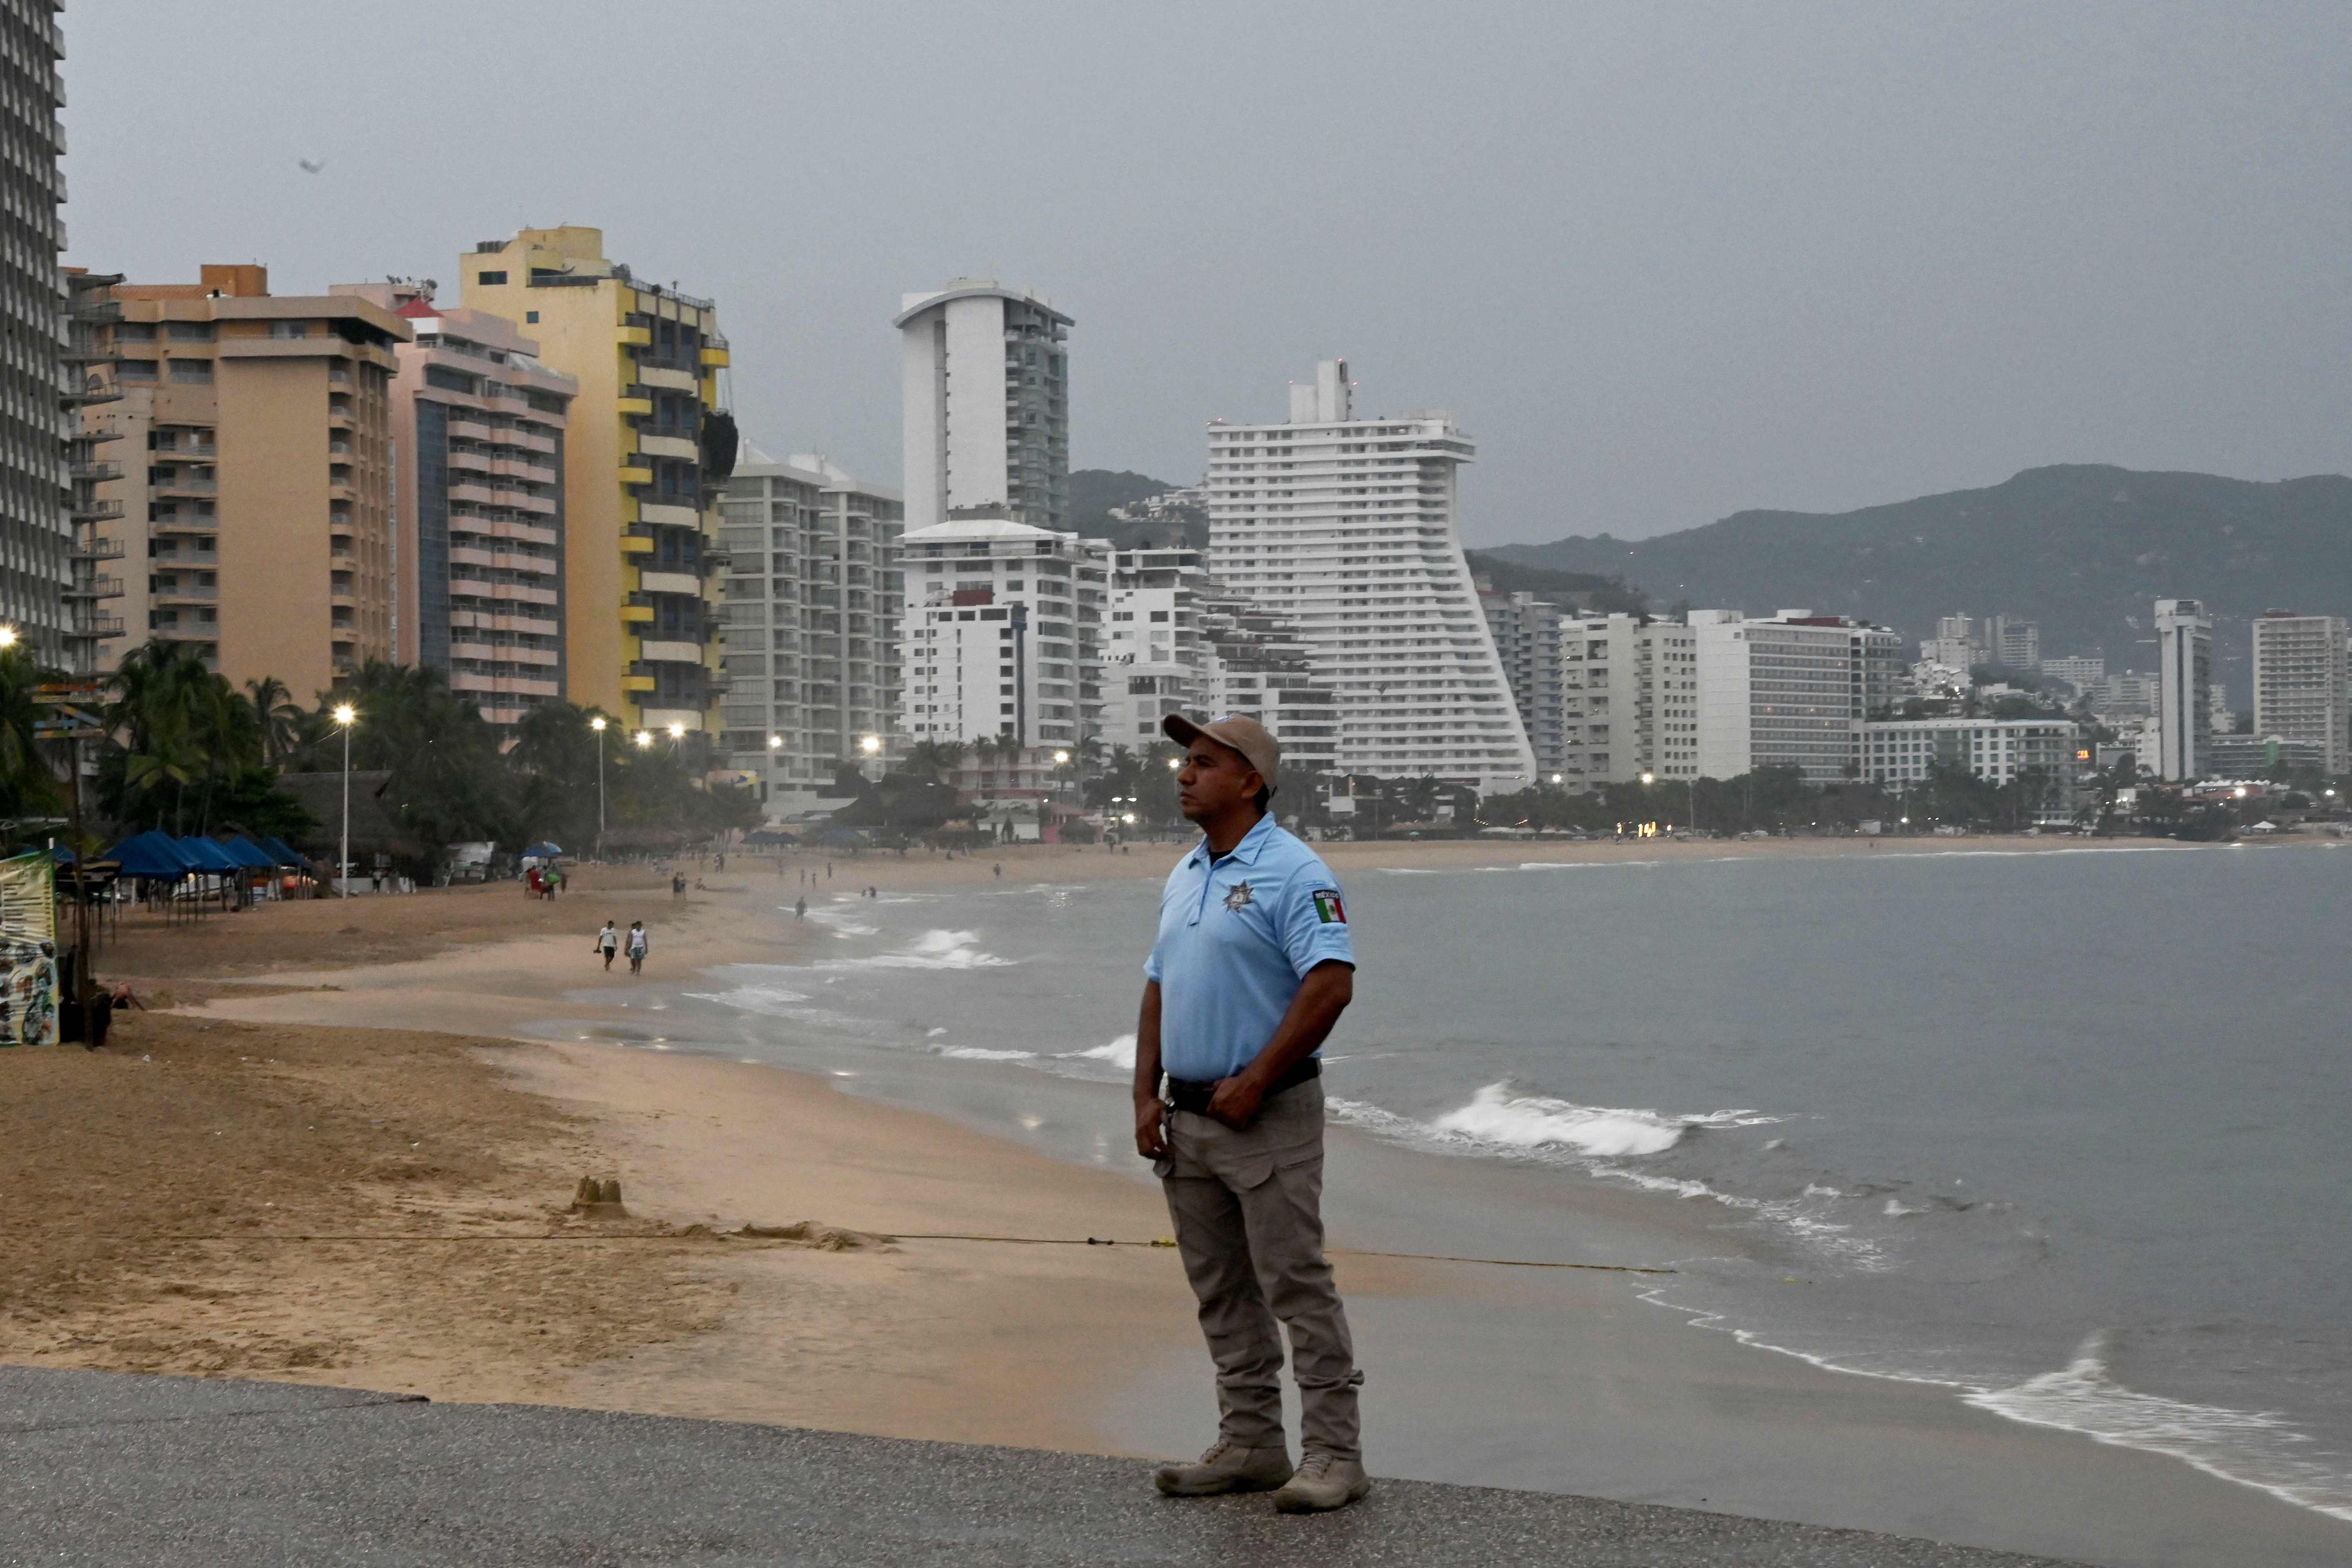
<point x="607" y="940"/>
<point x="636" y="947"/>
<point x="1253" y="965"/>
<point x="800" y="908"/>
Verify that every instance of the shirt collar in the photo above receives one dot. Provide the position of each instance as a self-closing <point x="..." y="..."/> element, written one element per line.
<point x="1253" y="844"/>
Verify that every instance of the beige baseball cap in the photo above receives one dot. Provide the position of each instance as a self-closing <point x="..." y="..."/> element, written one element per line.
<point x="1246" y="736"/>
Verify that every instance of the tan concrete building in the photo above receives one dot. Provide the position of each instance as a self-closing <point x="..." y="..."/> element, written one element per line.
<point x="478" y="428"/>
<point x="256" y="475"/>
<point x="645" y="452"/>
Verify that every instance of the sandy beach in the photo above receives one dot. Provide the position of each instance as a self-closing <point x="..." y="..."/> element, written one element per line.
<point x="336" y="1071"/>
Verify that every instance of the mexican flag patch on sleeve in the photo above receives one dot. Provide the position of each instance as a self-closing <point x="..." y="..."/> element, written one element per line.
<point x="1328" y="908"/>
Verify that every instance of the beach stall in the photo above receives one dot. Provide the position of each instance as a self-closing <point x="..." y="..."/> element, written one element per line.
<point x="156" y="865"/>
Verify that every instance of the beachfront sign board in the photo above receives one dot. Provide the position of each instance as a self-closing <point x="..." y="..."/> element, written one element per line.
<point x="28" y="950"/>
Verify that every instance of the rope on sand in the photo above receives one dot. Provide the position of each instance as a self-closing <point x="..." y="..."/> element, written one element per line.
<point x="931" y="1235"/>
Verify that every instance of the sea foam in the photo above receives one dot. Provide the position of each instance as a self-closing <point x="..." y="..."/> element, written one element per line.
<point x="2249" y="1448"/>
<point x="1503" y="1119"/>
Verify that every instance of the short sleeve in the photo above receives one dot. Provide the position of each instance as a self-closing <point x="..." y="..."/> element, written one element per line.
<point x="1315" y="920"/>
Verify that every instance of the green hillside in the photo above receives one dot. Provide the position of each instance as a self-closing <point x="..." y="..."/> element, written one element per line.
<point x="2084" y="548"/>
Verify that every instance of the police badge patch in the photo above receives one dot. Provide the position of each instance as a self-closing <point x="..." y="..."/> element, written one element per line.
<point x="1238" y="898"/>
<point x="1329" y="909"/>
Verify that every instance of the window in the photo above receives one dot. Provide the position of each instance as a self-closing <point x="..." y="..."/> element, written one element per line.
<point x="532" y="316"/>
<point x="489" y="280"/>
<point x="135" y="370"/>
<point x="197" y="370"/>
<point x="192" y="331"/>
<point x="282" y="329"/>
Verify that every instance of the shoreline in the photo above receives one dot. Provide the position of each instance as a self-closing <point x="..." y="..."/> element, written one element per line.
<point x="948" y="1359"/>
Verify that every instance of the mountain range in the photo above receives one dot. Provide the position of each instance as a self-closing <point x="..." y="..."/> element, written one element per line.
<point x="2085" y="549"/>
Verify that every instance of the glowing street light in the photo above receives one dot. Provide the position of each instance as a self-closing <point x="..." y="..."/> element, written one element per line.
<point x="644" y="738"/>
<point x="346" y="716"/>
<point x="677" y="731"/>
<point x="1175" y="763"/>
<point x="869" y="744"/>
<point x="8" y="637"/>
<point x="775" y="741"/>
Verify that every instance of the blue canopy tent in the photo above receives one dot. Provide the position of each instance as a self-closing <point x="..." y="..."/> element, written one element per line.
<point x="151" y="854"/>
<point x="545" y="850"/>
<point x="250" y="855"/>
<point x="280" y="853"/>
<point x="203" y="855"/>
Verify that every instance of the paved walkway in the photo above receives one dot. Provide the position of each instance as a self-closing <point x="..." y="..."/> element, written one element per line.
<point x="167" y="1472"/>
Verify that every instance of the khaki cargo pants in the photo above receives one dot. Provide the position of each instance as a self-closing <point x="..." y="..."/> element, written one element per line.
<point x="1248" y="1211"/>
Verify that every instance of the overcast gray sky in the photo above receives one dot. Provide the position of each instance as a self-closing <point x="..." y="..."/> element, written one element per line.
<point x="1664" y="261"/>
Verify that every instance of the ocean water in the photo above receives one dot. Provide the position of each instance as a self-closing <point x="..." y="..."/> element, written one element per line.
<point x="2069" y="1133"/>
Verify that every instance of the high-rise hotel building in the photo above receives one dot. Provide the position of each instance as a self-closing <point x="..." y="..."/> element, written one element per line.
<point x="813" y="597"/>
<point x="985" y="388"/>
<point x="2184" y="673"/>
<point x="1350" y="528"/>
<point x="35" y="533"/>
<point x="249" y="488"/>
<point x="644" y="450"/>
<point x="2303" y="684"/>
<point x="478" y="433"/>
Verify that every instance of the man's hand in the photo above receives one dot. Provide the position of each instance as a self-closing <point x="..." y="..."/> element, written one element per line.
<point x="1236" y="1100"/>
<point x="1151" y="1128"/>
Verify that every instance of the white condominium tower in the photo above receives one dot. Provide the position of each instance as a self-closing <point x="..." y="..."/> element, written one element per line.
<point x="2184" y="669"/>
<point x="984" y="382"/>
<point x="1349" y="528"/>
<point x="2303" y="684"/>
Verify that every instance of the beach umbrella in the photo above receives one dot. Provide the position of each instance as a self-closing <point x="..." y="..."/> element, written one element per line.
<point x="545" y="850"/>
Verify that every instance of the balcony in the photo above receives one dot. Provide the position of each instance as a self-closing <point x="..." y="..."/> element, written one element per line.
<point x="632" y="475"/>
<point x="714" y="358"/>
<point x="95" y="510"/>
<point x="100" y="626"/>
<point x="95" y="472"/>
<point x="96" y="549"/>
<point x="96" y="588"/>
<point x="95" y="389"/>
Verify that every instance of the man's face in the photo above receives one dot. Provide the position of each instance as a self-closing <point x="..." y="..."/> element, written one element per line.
<point x="1214" y="779"/>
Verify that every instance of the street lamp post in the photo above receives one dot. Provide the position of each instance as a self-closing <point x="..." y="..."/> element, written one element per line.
<point x="597" y="724"/>
<point x="345" y="715"/>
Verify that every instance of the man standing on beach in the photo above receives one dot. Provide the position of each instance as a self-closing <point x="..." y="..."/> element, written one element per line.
<point x="606" y="941"/>
<point x="636" y="947"/>
<point x="1252" y="967"/>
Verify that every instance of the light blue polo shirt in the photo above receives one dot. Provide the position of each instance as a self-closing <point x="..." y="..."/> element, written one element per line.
<point x="1235" y="940"/>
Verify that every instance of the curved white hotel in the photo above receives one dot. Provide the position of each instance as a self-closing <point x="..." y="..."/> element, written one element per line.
<point x="1349" y="528"/>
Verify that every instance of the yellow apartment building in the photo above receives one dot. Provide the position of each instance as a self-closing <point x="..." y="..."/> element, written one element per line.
<point x="254" y="480"/>
<point x="643" y="458"/>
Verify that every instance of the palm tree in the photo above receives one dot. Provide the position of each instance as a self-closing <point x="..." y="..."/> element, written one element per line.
<point x="934" y="760"/>
<point x="28" y="786"/>
<point x="166" y="707"/>
<point x="275" y="710"/>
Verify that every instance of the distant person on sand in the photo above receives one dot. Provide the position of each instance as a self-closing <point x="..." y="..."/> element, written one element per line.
<point x="608" y="942"/>
<point x="999" y="870"/>
<point x="800" y="908"/>
<point x="636" y="947"/>
<point x="677" y="884"/>
<point x="1253" y="965"/>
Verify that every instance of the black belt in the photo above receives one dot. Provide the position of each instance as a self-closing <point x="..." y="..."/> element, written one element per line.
<point x="1187" y="1094"/>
